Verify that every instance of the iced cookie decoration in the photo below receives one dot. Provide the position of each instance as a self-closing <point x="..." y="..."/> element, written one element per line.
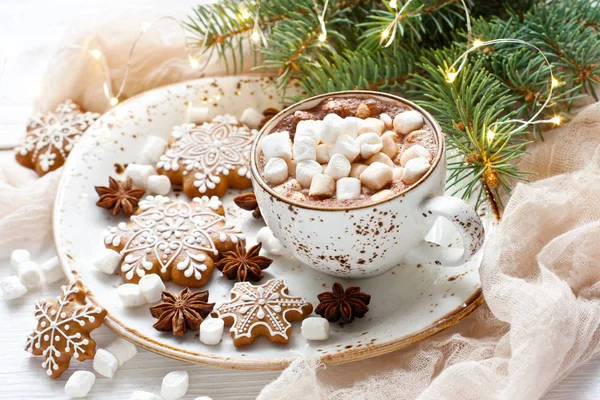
<point x="50" y="137"/>
<point x="209" y="158"/>
<point x="63" y="330"/>
<point x="264" y="310"/>
<point x="178" y="241"/>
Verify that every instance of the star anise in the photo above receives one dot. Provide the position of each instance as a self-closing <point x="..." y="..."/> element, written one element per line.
<point x="344" y="305"/>
<point x="247" y="201"/>
<point x="243" y="265"/>
<point x="119" y="196"/>
<point x="177" y="314"/>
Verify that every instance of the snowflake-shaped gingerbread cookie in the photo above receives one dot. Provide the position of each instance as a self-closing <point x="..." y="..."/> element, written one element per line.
<point x="178" y="241"/>
<point x="50" y="137"/>
<point x="209" y="158"/>
<point x="63" y="329"/>
<point x="264" y="310"/>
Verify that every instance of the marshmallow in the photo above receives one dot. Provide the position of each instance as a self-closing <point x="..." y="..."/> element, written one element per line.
<point x="203" y="398"/>
<point x="211" y="331"/>
<point x="130" y="295"/>
<point x="174" y="385"/>
<point x="140" y="395"/>
<point x="105" y="363"/>
<point x="277" y="145"/>
<point x="304" y="149"/>
<point x="416" y="151"/>
<point x="351" y="126"/>
<point x="306" y="170"/>
<point x="397" y="173"/>
<point x="346" y="146"/>
<point x="30" y="274"/>
<point x="338" y="167"/>
<point x="382" y="158"/>
<point x="52" y="270"/>
<point x="139" y="174"/>
<point x="315" y="328"/>
<point x="154" y="148"/>
<point x="197" y="115"/>
<point x="388" y="143"/>
<point x="336" y="126"/>
<point x="287" y="186"/>
<point x="310" y="128"/>
<point x="371" y="125"/>
<point x="122" y="350"/>
<point x="347" y="189"/>
<point x="270" y="243"/>
<point x="12" y="288"/>
<point x="388" y="122"/>
<point x="80" y="384"/>
<point x="376" y="176"/>
<point x="322" y="186"/>
<point x="151" y="287"/>
<point x="159" y="184"/>
<point x="416" y="136"/>
<point x="408" y="121"/>
<point x="18" y="256"/>
<point x="414" y="169"/>
<point x="356" y="170"/>
<point x="296" y="196"/>
<point x="276" y="171"/>
<point x="107" y="261"/>
<point x="369" y="143"/>
<point x="323" y="153"/>
<point x="252" y="118"/>
<point x="382" y="195"/>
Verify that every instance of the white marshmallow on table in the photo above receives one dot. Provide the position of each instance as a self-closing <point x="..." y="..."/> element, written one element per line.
<point x="371" y="125"/>
<point x="416" y="151"/>
<point x="387" y="120"/>
<point x="397" y="173"/>
<point x="107" y="261"/>
<point x="408" y="121"/>
<point x="159" y="184"/>
<point x="306" y="170"/>
<point x="276" y="171"/>
<point x="139" y="174"/>
<point x="310" y="128"/>
<point x="347" y="189"/>
<point x="382" y="158"/>
<point x="211" y="331"/>
<point x="203" y="398"/>
<point x="252" y="118"/>
<point x="338" y="167"/>
<point x="277" y="145"/>
<point x="30" y="274"/>
<point x="270" y="243"/>
<point x="105" y="363"/>
<point x="388" y="144"/>
<point x="154" y="148"/>
<point x="12" y="288"/>
<point x="122" y="350"/>
<point x="376" y="176"/>
<point x="174" y="385"/>
<point x="346" y="146"/>
<point x="130" y="295"/>
<point x="414" y="169"/>
<point x="151" y="287"/>
<point x="369" y="143"/>
<point x="357" y="169"/>
<point x="305" y="148"/>
<point x="323" y="153"/>
<point x="197" y="115"/>
<point x="80" y="384"/>
<point x="322" y="186"/>
<point x="287" y="186"/>
<point x="382" y="195"/>
<point x="18" y="256"/>
<point x="315" y="328"/>
<point x="141" y="395"/>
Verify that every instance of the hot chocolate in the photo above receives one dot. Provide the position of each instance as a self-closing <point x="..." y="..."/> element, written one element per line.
<point x="347" y="152"/>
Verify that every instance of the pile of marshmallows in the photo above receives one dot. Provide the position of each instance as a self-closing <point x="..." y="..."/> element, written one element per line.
<point x="323" y="153"/>
<point x="28" y="274"/>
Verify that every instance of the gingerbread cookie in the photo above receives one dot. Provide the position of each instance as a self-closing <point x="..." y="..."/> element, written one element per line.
<point x="209" y="158"/>
<point x="63" y="329"/>
<point x="264" y="310"/>
<point x="178" y="241"/>
<point x="50" y="137"/>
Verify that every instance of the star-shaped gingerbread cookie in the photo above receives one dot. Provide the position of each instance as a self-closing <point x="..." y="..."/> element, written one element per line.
<point x="176" y="240"/>
<point x="209" y="158"/>
<point x="50" y="137"/>
<point x="264" y="310"/>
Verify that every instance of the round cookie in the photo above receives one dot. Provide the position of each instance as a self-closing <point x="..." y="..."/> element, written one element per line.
<point x="178" y="241"/>
<point x="209" y="158"/>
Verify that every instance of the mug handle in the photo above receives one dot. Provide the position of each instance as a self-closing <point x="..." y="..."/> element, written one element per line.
<point x="466" y="221"/>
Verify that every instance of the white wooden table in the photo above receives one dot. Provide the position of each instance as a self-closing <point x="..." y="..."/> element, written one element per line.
<point x="29" y="34"/>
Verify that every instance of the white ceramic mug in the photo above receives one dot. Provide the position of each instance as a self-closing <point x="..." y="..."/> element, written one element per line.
<point x="368" y="240"/>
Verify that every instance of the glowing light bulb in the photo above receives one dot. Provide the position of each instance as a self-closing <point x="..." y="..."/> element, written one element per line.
<point x="386" y="33"/>
<point x="556" y="120"/>
<point x="145" y="26"/>
<point x="113" y="101"/>
<point x="477" y="43"/>
<point x="451" y="76"/>
<point x="193" y="62"/>
<point x="255" y="36"/>
<point x="490" y="135"/>
<point x="96" y="53"/>
<point x="555" y="82"/>
<point x="323" y="37"/>
<point x="394" y="4"/>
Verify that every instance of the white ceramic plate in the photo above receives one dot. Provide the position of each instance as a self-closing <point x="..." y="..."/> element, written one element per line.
<point x="408" y="304"/>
